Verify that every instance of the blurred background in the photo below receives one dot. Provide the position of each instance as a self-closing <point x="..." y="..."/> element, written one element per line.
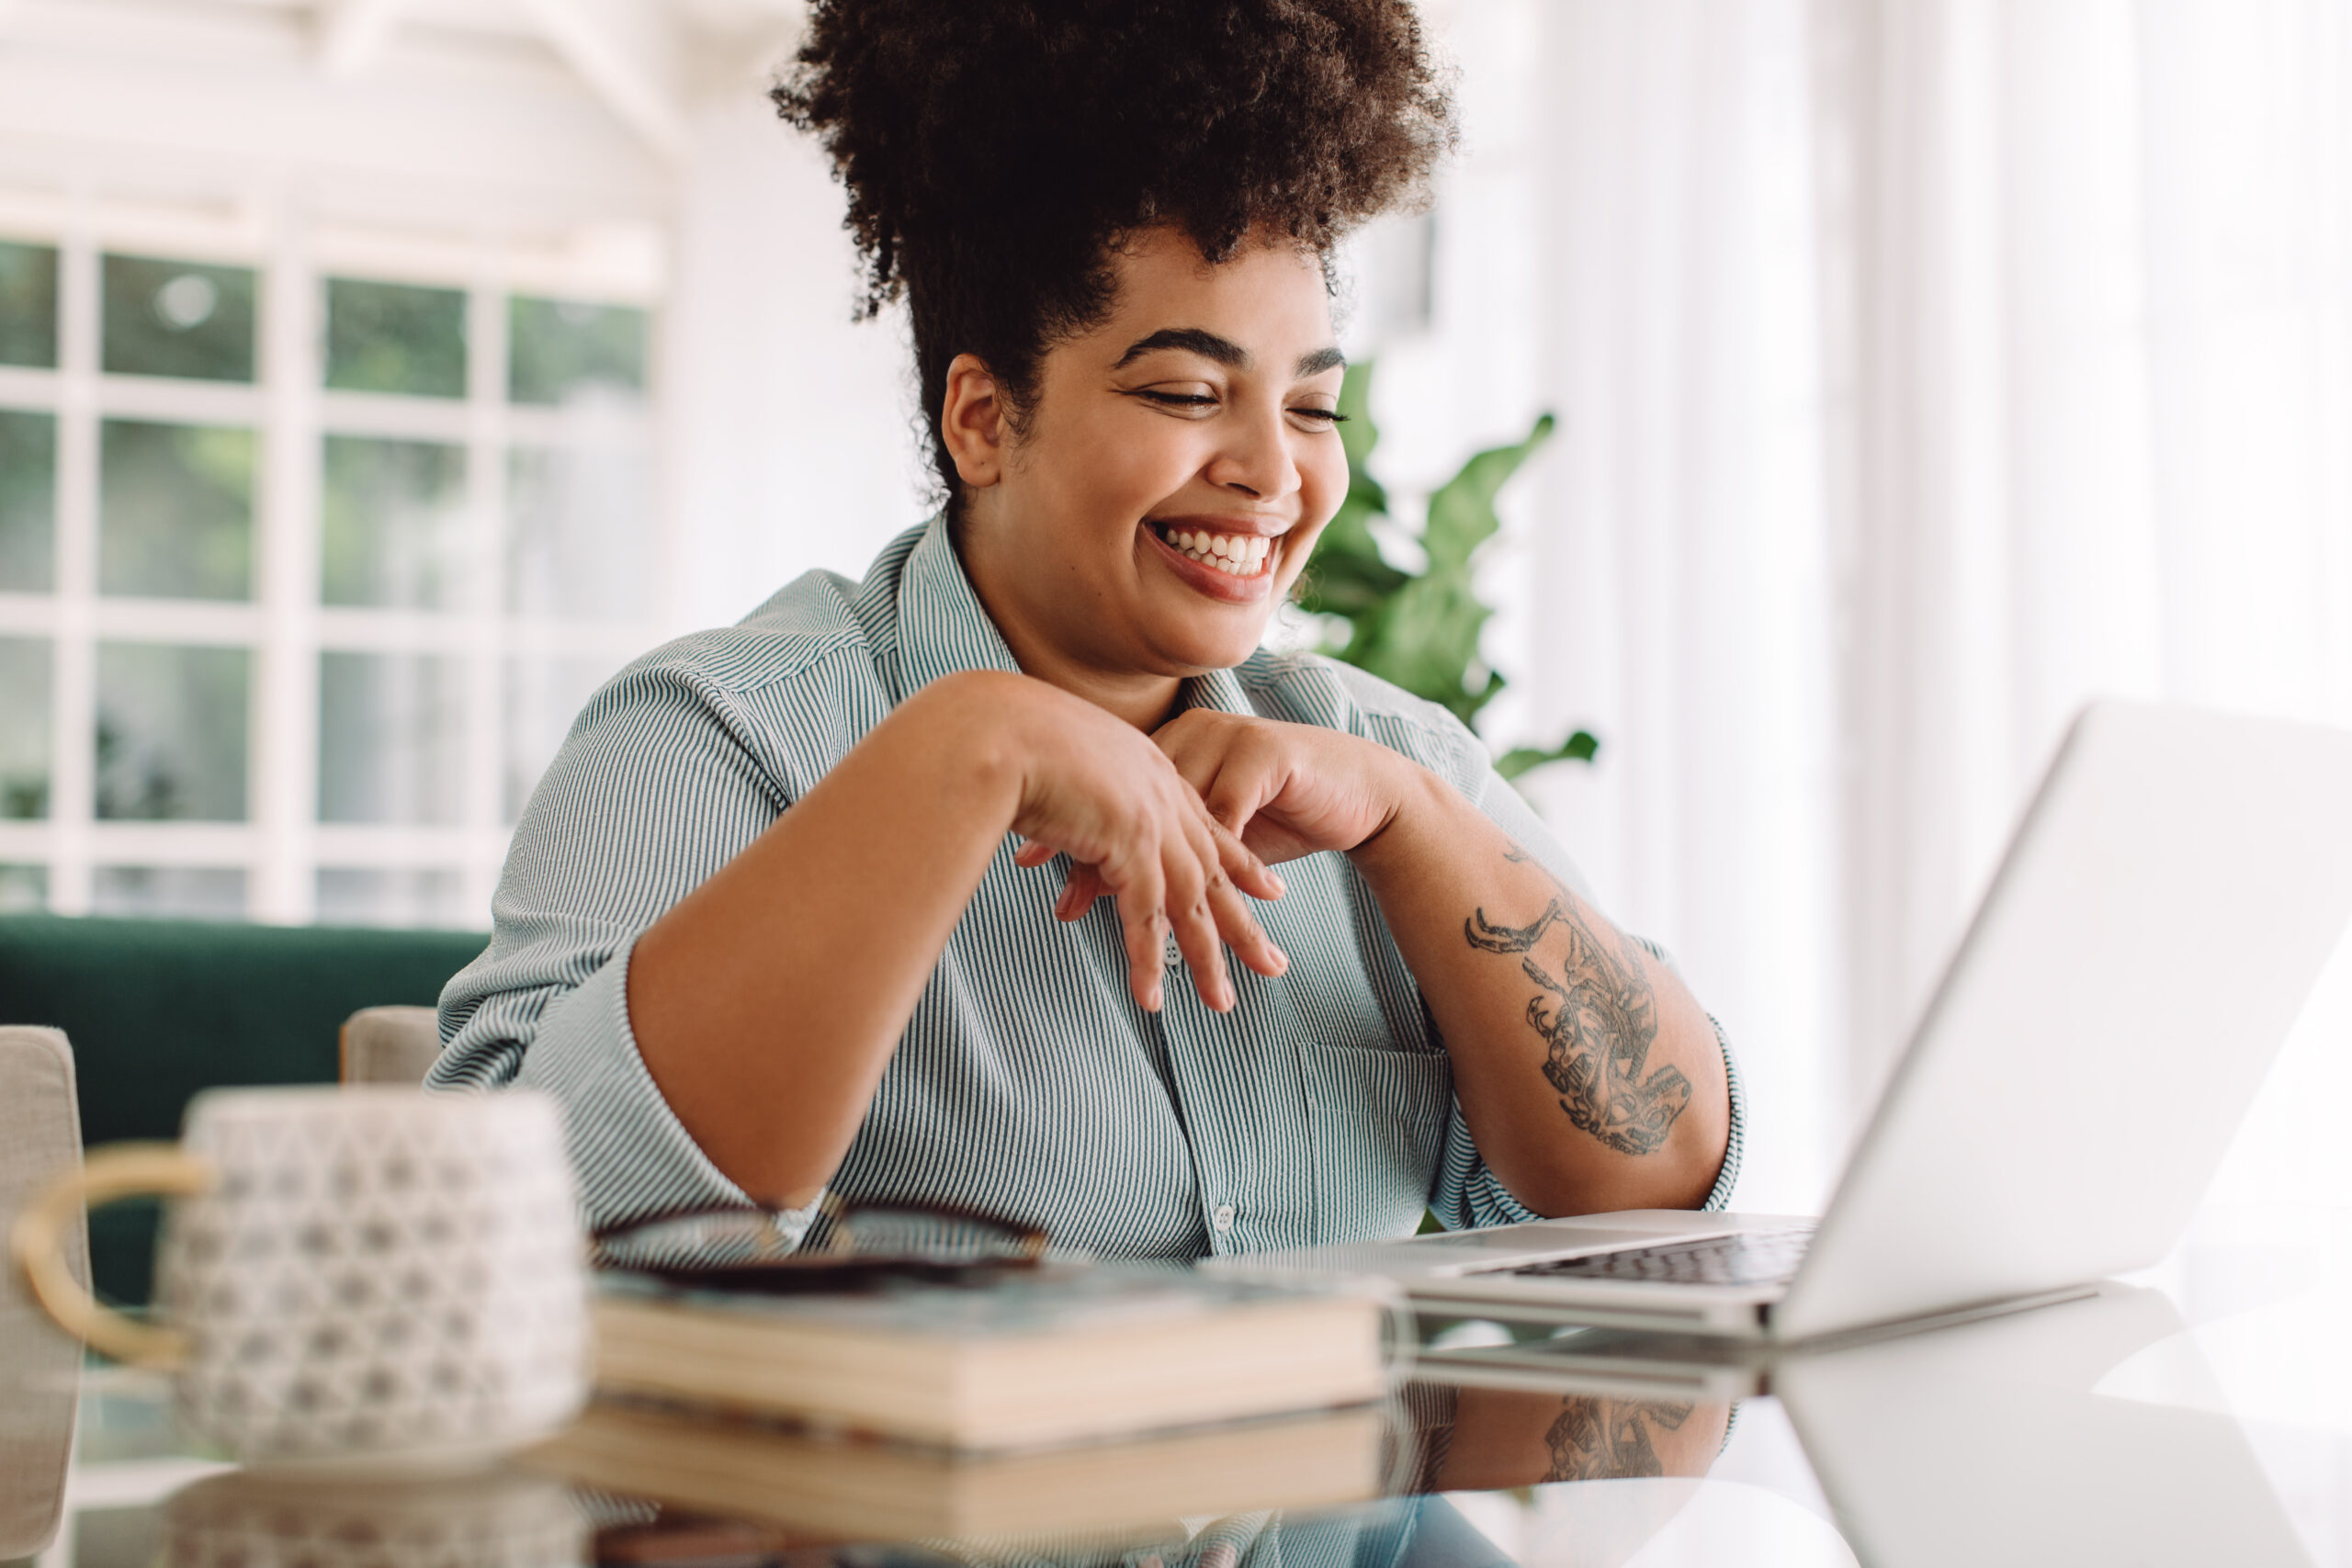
<point x="378" y="376"/>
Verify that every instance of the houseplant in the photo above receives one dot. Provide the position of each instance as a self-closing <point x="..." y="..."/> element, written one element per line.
<point x="1419" y="629"/>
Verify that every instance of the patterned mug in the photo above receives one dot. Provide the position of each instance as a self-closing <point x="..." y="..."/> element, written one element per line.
<point x="368" y="1275"/>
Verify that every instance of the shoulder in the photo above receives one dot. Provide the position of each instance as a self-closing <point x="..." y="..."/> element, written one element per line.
<point x="816" y="631"/>
<point x="790" y="687"/>
<point x="1308" y="688"/>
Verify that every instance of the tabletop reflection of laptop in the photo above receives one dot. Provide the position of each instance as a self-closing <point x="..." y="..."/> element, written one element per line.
<point x="1990" y="1442"/>
<point x="2165" y="905"/>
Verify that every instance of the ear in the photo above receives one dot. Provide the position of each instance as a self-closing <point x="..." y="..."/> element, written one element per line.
<point x="972" y="422"/>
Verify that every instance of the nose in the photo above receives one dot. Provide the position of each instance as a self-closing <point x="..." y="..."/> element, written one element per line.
<point x="1254" y="458"/>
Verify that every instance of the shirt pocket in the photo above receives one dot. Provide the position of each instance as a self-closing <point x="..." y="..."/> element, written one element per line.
<point x="1376" y="1121"/>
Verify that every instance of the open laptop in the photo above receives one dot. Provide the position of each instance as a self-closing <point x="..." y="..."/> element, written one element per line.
<point x="2171" y="896"/>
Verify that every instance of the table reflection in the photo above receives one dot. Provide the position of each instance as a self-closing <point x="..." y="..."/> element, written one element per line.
<point x="500" y="1519"/>
<point x="2088" y="1432"/>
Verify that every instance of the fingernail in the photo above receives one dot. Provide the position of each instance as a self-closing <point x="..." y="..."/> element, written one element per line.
<point x="1152" y="998"/>
<point x="1282" y="961"/>
<point x="1280" y="887"/>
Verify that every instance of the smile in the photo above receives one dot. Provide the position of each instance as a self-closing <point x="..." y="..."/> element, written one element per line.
<point x="1236" y="555"/>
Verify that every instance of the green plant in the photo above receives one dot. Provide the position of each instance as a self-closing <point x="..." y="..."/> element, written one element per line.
<point x="1419" y="630"/>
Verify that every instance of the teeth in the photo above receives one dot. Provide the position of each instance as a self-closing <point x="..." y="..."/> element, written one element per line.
<point x="1236" y="555"/>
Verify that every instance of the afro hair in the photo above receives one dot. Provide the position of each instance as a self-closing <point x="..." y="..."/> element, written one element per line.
<point x="997" y="151"/>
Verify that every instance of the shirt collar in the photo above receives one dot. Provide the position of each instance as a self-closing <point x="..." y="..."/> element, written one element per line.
<point x="944" y="627"/>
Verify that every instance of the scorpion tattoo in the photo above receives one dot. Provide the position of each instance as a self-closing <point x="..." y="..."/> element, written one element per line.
<point x="1597" y="1438"/>
<point x="1599" y="1019"/>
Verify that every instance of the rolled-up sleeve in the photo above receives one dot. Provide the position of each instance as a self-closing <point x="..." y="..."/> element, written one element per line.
<point x="658" y="786"/>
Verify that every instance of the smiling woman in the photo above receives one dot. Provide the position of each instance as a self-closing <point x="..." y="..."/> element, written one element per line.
<point x="879" y="891"/>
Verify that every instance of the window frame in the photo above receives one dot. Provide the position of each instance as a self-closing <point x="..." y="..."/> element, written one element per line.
<point x="281" y="845"/>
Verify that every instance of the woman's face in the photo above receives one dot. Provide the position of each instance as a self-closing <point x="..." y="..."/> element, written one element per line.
<point x="1178" y="463"/>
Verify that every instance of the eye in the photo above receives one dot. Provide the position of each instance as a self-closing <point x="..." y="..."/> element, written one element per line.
<point x="1322" y="417"/>
<point x="1175" y="400"/>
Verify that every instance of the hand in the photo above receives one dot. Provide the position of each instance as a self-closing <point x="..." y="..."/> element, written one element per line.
<point x="1284" y="790"/>
<point x="1100" y="792"/>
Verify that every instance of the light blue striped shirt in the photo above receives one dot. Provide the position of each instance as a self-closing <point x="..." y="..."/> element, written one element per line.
<point x="1028" y="1084"/>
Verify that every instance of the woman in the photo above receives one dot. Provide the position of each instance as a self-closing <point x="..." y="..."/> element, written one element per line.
<point x="923" y="888"/>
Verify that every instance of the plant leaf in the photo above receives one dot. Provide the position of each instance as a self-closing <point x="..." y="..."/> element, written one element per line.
<point x="1461" y="511"/>
<point x="1359" y="435"/>
<point x="1581" y="747"/>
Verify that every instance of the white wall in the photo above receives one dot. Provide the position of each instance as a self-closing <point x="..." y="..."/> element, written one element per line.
<point x="788" y="426"/>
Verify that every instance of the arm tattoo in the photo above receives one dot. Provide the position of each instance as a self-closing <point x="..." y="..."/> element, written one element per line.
<point x="1598" y="1439"/>
<point x="1599" y="1018"/>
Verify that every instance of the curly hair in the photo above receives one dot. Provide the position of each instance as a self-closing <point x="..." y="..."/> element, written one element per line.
<point x="997" y="151"/>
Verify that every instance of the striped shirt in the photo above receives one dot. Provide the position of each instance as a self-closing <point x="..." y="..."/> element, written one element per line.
<point x="1028" y="1084"/>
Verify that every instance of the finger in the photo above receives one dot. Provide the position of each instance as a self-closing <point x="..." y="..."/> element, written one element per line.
<point x="1033" y="854"/>
<point x="1141" y="893"/>
<point x="1250" y="874"/>
<point x="1237" y="923"/>
<point x="1191" y="859"/>
<point x="1238" y="792"/>
<point x="1079" y="889"/>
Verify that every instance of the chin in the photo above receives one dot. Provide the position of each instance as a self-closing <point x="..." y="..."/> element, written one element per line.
<point x="1221" y="650"/>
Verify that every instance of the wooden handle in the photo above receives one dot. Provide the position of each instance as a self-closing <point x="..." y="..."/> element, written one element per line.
<point x="37" y="1243"/>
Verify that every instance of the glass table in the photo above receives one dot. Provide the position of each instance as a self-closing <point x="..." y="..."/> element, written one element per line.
<point x="2200" y="1413"/>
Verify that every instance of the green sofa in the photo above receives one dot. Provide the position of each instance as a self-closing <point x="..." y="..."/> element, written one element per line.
<point x="157" y="1010"/>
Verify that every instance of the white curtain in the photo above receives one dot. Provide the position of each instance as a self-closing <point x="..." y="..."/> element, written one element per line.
<point x="1924" y="367"/>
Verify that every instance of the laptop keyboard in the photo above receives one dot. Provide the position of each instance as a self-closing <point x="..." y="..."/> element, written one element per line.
<point x="1768" y="1258"/>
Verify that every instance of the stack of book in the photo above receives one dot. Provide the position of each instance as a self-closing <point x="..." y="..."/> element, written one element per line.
<point x="1060" y="1398"/>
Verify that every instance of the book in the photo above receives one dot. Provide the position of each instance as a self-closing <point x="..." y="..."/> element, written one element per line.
<point x="995" y="1358"/>
<point x="851" y="1490"/>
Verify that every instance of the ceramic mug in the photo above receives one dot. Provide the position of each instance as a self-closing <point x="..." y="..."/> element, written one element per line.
<point x="368" y="1274"/>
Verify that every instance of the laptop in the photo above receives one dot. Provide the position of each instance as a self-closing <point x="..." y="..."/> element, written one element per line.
<point x="2170" y="898"/>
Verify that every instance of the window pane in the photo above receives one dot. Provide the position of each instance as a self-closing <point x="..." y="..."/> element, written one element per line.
<point x="168" y="892"/>
<point x="24" y="727"/>
<point x="393" y="516"/>
<point x="558" y="349"/>
<point x="28" y="501"/>
<point x="363" y="897"/>
<point x="24" y="889"/>
<point x="171" y="741"/>
<point x="171" y="318"/>
<point x="391" y="730"/>
<point x="176" y="511"/>
<point x="28" y="304"/>
<point x="391" y="337"/>
<point x="542" y="697"/>
<point x="579" y="531"/>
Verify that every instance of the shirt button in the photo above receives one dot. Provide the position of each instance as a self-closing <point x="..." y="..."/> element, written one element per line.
<point x="1223" y="1218"/>
<point x="1175" y="953"/>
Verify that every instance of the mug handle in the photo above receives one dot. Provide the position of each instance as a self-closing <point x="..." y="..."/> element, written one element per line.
<point x="38" y="1241"/>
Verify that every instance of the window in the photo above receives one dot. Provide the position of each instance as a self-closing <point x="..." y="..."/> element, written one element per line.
<point x="307" y="560"/>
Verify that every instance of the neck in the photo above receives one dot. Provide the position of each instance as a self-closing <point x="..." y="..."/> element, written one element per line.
<point x="1145" y="701"/>
<point x="1142" y="699"/>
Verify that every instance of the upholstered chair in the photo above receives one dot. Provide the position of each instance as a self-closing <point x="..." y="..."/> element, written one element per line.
<point x="393" y="1044"/>
<point x="40" y="1137"/>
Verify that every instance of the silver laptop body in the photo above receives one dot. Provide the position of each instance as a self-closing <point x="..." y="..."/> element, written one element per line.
<point x="2166" y="903"/>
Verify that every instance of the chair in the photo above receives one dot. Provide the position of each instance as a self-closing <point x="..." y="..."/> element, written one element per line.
<point x="40" y="1136"/>
<point x="389" y="1045"/>
<point x="160" y="1011"/>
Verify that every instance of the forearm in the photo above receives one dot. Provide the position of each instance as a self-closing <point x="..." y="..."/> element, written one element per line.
<point x="1590" y="1077"/>
<point x="767" y="1002"/>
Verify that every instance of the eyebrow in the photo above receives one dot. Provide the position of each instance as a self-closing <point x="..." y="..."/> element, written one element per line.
<point x="1222" y="350"/>
<point x="1319" y="361"/>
